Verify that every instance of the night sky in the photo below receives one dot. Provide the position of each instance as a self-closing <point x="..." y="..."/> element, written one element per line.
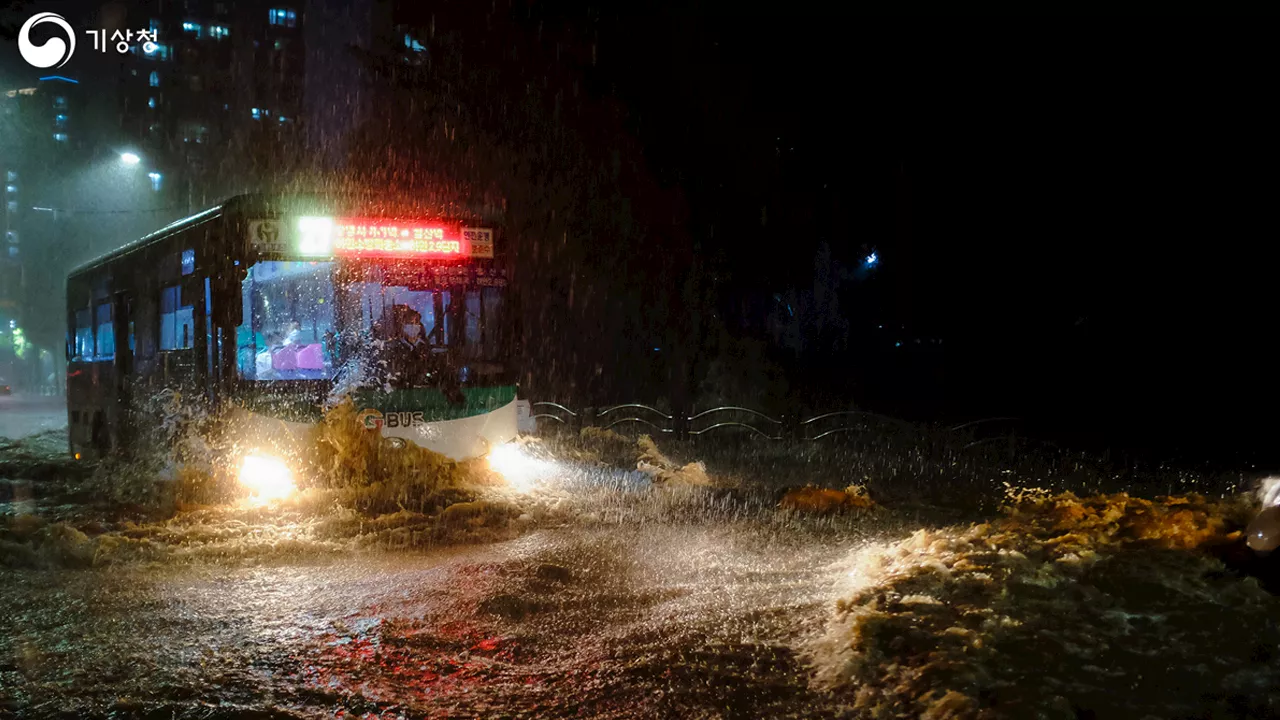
<point x="1088" y="224"/>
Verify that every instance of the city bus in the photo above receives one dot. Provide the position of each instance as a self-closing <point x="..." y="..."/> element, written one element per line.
<point x="274" y="307"/>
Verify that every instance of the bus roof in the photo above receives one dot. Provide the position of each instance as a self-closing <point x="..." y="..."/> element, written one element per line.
<point x="252" y="203"/>
<point x="174" y="227"/>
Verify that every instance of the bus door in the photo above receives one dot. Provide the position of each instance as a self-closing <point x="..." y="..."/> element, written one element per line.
<point x="212" y="330"/>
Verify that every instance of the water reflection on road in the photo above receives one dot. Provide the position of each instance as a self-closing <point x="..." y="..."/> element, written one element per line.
<point x="643" y="620"/>
<point x="23" y="415"/>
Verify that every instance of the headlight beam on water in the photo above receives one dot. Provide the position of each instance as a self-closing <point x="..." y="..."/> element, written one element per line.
<point x="517" y="467"/>
<point x="267" y="477"/>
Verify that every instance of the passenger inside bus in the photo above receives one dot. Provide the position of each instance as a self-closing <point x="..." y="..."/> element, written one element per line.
<point x="287" y="322"/>
<point x="263" y="367"/>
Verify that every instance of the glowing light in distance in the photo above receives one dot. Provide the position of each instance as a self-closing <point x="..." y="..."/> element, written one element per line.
<point x="315" y="236"/>
<point x="521" y="471"/>
<point x="129" y="158"/>
<point x="267" y="478"/>
<point x="872" y="260"/>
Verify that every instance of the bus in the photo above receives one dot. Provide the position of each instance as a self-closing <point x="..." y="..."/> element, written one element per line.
<point x="272" y="306"/>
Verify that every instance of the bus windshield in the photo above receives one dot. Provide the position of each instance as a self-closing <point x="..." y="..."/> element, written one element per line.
<point x="289" y="330"/>
<point x="309" y="320"/>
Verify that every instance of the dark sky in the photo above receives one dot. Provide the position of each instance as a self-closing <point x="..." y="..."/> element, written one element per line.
<point x="1091" y="200"/>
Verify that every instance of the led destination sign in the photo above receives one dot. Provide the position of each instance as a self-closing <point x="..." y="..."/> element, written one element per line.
<point x="364" y="237"/>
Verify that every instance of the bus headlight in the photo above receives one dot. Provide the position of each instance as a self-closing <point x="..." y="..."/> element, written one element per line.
<point x="517" y="467"/>
<point x="267" y="478"/>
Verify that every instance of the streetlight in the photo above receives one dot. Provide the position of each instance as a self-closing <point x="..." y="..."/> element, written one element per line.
<point x="129" y="158"/>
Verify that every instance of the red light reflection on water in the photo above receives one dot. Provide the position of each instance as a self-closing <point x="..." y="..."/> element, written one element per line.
<point x="412" y="663"/>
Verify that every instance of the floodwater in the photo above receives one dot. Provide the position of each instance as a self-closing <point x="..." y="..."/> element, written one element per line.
<point x="604" y="593"/>
<point x="23" y="415"/>
<point x="638" y="620"/>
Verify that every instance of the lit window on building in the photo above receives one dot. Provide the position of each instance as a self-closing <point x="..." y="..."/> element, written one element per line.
<point x="60" y="101"/>
<point x="11" y="236"/>
<point x="13" y="251"/>
<point x="60" y="120"/>
<point x="156" y="180"/>
<point x="151" y="102"/>
<point x="283" y="17"/>
<point x="284" y="119"/>
<point x="192" y="132"/>
<point x="412" y="44"/>
<point x="154" y="25"/>
<point x="11" y="188"/>
<point x="219" y="31"/>
<point x="193" y="28"/>
<point x="158" y="52"/>
<point x="60" y="137"/>
<point x="155" y="79"/>
<point x="188" y="262"/>
<point x="13" y="206"/>
<point x="256" y="113"/>
<point x="11" y="175"/>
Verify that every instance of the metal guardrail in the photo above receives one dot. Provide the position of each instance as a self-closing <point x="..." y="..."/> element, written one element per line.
<point x="642" y="421"/>
<point x="734" y="408"/>
<point x="552" y="416"/>
<point x="558" y="406"/>
<point x="752" y="428"/>
<point x="738" y="418"/>
<point x="608" y="410"/>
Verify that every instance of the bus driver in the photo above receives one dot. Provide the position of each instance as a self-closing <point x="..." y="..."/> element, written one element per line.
<point x="409" y="359"/>
<point x="414" y="363"/>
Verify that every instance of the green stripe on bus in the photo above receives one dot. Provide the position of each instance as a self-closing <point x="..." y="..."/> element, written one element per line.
<point x="430" y="402"/>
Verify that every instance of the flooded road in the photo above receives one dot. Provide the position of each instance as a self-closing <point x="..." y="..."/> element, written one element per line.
<point x="641" y="620"/>
<point x="23" y="415"/>
<point x="584" y="590"/>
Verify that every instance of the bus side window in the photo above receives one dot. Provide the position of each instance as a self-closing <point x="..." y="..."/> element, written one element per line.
<point x="493" y="328"/>
<point x="177" y="322"/>
<point x="449" y="310"/>
<point x="84" y="335"/>
<point x="105" y="332"/>
<point x="144" y="324"/>
<point x="471" y="328"/>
